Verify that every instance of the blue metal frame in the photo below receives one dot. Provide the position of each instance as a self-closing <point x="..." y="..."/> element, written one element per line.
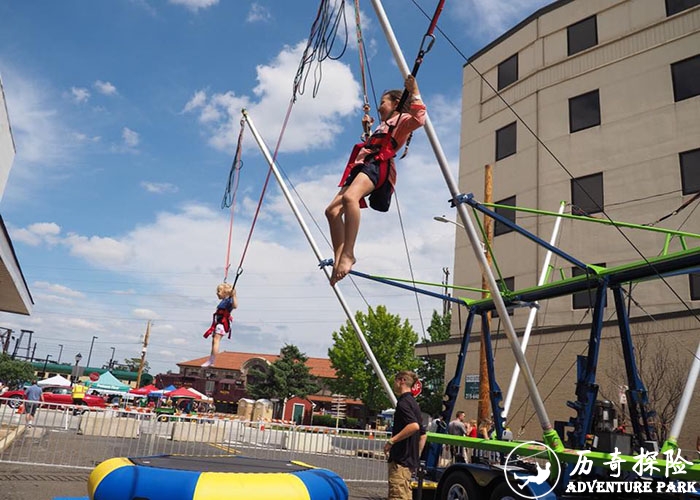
<point x="637" y="396"/>
<point x="469" y="200"/>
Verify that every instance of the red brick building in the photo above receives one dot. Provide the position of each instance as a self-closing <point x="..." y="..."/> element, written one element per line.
<point x="227" y="380"/>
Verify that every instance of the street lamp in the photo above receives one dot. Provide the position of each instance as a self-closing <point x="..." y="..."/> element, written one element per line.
<point x="111" y="361"/>
<point x="78" y="357"/>
<point x="87" y="365"/>
<point x="442" y="218"/>
<point x="59" y="353"/>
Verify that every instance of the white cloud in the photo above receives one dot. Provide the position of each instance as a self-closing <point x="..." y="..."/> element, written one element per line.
<point x="80" y="137"/>
<point x="258" y="13"/>
<point x="488" y="20"/>
<point x="58" y="289"/>
<point x="131" y="139"/>
<point x="36" y="233"/>
<point x="145" y="314"/>
<point x="105" y="88"/>
<point x="98" y="250"/>
<point x="314" y="122"/>
<point x="195" y="5"/>
<point x="40" y="134"/>
<point x="84" y="324"/>
<point x="159" y="187"/>
<point x="80" y="94"/>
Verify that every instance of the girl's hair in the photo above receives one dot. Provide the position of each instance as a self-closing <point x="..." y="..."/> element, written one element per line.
<point x="226" y="289"/>
<point x="395" y="95"/>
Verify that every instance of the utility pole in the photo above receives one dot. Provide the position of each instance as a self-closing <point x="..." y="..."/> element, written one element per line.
<point x="29" y="344"/>
<point x="446" y="303"/>
<point x="484" y="406"/>
<point x="59" y="354"/>
<point x="18" y="341"/>
<point x="143" y="353"/>
<point x="6" y="343"/>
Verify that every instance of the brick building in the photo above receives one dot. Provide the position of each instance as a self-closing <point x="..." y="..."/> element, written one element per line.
<point x="227" y="380"/>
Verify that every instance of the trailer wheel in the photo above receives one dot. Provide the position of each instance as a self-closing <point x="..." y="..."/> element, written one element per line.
<point x="459" y="486"/>
<point x="503" y="492"/>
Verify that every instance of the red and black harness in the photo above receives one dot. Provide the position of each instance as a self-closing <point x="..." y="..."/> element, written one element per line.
<point x="383" y="151"/>
<point x="222" y="317"/>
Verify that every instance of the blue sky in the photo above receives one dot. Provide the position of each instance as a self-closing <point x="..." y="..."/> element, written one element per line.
<point x="125" y="116"/>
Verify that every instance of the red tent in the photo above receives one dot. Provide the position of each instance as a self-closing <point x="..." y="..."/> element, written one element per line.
<point x="182" y="392"/>
<point x="145" y="390"/>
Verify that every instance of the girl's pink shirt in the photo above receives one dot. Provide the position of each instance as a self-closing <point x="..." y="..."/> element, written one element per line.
<point x="407" y="123"/>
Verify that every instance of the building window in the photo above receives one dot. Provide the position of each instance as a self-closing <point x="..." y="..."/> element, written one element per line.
<point x="676" y="6"/>
<point x="499" y="227"/>
<point x="587" y="195"/>
<point x="686" y="78"/>
<point x="586" y="298"/>
<point x="582" y="35"/>
<point x="694" y="279"/>
<point x="509" y="285"/>
<point x="690" y="171"/>
<point x="505" y="141"/>
<point x="584" y="111"/>
<point x="508" y="71"/>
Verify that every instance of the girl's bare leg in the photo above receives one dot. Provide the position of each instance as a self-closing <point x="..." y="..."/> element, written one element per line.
<point x="360" y="187"/>
<point x="334" y="214"/>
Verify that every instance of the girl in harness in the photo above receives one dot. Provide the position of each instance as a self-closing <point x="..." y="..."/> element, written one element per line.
<point x="221" y="321"/>
<point x="370" y="171"/>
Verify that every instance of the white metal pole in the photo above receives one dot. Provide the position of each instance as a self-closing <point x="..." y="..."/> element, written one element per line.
<point x="472" y="235"/>
<point x="533" y="313"/>
<point x="684" y="403"/>
<point x="358" y="331"/>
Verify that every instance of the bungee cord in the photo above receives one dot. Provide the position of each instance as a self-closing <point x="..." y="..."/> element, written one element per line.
<point x="322" y="38"/>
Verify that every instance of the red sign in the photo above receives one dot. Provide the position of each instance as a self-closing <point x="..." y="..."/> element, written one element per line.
<point x="94" y="376"/>
<point x="417" y="388"/>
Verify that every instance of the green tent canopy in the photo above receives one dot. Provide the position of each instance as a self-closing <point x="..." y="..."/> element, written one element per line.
<point x="108" y="382"/>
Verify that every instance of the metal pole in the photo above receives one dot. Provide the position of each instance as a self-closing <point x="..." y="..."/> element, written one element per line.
<point x="111" y="360"/>
<point x="87" y="365"/>
<point x="143" y="354"/>
<point x="533" y="312"/>
<point x="549" y="433"/>
<point x="59" y="353"/>
<point x="672" y="439"/>
<point x="319" y="256"/>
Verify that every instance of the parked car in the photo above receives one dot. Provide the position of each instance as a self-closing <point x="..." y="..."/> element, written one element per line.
<point x="54" y="396"/>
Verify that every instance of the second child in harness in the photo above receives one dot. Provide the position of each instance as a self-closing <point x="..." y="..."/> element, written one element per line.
<point x="370" y="171"/>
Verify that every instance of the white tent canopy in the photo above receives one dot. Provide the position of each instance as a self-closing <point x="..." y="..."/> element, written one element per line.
<point x="56" y="380"/>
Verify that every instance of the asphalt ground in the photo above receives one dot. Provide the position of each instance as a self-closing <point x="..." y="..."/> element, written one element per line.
<point x="29" y="482"/>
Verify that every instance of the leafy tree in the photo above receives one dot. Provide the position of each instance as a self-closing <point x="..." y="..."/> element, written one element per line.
<point x="392" y="343"/>
<point x="432" y="371"/>
<point x="287" y="377"/>
<point x="133" y="364"/>
<point x="15" y="372"/>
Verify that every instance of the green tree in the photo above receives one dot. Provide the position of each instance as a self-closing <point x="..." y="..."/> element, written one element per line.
<point x="14" y="372"/>
<point x="288" y="376"/>
<point x="392" y="343"/>
<point x="133" y="364"/>
<point x="432" y="370"/>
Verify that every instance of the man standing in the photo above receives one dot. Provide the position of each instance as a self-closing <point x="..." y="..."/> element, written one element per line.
<point x="406" y="444"/>
<point x="457" y="427"/>
<point x="78" y="393"/>
<point x="34" y="396"/>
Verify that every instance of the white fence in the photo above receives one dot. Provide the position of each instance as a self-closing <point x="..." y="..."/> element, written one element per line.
<point x="60" y="437"/>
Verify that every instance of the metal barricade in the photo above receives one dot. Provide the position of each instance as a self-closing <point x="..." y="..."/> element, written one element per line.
<point x="82" y="437"/>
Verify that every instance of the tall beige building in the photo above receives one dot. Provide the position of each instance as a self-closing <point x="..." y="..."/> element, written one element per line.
<point x="607" y="97"/>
